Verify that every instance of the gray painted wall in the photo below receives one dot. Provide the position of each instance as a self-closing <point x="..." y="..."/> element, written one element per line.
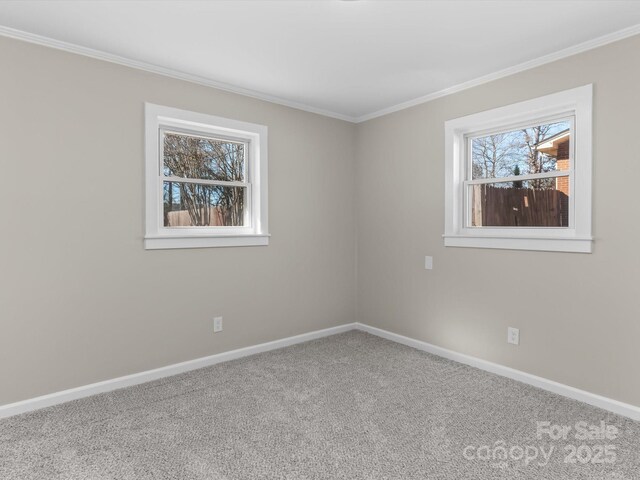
<point x="81" y="300"/>
<point x="578" y="314"/>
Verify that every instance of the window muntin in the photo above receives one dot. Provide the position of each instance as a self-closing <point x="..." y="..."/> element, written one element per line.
<point x="520" y="177"/>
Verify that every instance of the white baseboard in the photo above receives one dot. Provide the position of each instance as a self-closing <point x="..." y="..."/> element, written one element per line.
<point x="605" y="403"/>
<point x="36" y="403"/>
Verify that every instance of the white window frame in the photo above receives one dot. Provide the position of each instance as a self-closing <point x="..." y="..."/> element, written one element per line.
<point x="159" y="119"/>
<point x="575" y="104"/>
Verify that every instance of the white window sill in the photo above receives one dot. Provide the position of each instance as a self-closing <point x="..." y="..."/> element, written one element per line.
<point x="548" y="244"/>
<point x="205" y="241"/>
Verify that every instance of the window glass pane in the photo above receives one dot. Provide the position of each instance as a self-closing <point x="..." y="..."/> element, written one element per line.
<point x="203" y="158"/>
<point x="534" y="203"/>
<point x="542" y="148"/>
<point x="195" y="205"/>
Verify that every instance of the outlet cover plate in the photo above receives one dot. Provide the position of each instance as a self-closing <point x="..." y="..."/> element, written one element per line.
<point x="513" y="336"/>
<point x="217" y="324"/>
<point x="428" y="263"/>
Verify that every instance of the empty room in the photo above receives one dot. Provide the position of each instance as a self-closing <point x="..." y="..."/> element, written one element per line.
<point x="319" y="239"/>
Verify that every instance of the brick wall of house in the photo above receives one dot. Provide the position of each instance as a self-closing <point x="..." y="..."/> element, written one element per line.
<point x="562" y="183"/>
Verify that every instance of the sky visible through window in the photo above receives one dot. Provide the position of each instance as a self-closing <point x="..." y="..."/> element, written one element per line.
<point x="514" y="152"/>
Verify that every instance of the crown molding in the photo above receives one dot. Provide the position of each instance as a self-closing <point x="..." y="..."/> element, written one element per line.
<point x="167" y="72"/>
<point x="127" y="62"/>
<point x="521" y="67"/>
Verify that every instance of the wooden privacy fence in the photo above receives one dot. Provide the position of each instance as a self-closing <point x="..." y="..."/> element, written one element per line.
<point x="519" y="207"/>
<point x="181" y="218"/>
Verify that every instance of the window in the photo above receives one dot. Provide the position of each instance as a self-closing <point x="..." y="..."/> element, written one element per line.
<point x="206" y="180"/>
<point x="519" y="177"/>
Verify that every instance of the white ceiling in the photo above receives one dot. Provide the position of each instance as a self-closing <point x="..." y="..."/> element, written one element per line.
<point x="350" y="59"/>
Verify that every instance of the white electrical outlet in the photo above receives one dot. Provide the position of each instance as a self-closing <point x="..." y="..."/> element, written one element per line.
<point x="217" y="324"/>
<point x="513" y="335"/>
<point x="428" y="263"/>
